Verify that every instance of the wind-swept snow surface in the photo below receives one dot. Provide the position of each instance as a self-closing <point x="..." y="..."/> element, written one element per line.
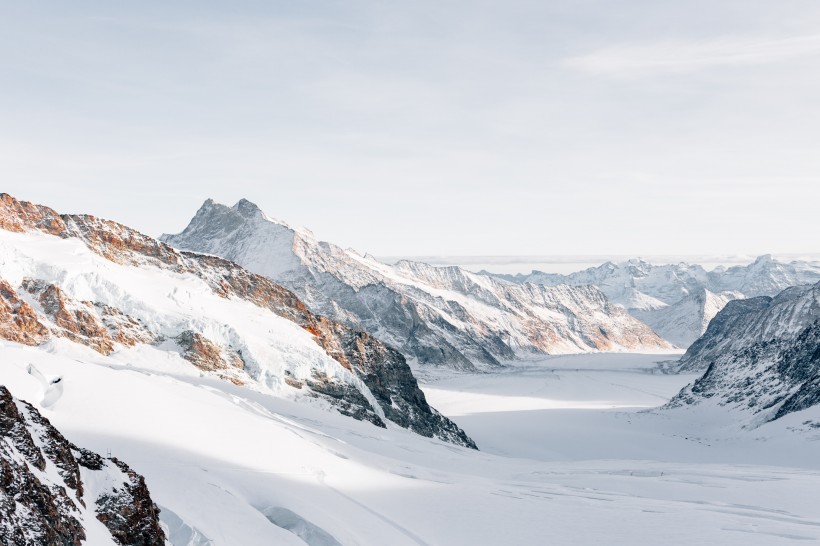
<point x="582" y="466"/>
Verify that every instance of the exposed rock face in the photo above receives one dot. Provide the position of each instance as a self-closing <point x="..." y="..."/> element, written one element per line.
<point x="95" y="325"/>
<point x="18" y="321"/>
<point x="438" y="316"/>
<point x="102" y="325"/>
<point x="765" y="379"/>
<point x="743" y="322"/>
<point x="210" y="357"/>
<point x="122" y="328"/>
<point x="800" y="363"/>
<point x="679" y="300"/>
<point x="387" y="375"/>
<point x="74" y="320"/>
<point x="762" y="356"/>
<point x="347" y="399"/>
<point x="205" y="354"/>
<point x="42" y="494"/>
<point x="128" y="511"/>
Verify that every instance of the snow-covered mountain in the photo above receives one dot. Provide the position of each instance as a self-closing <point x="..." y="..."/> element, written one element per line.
<point x="761" y="356"/>
<point x="686" y="319"/>
<point x="105" y="286"/>
<point x="53" y="492"/>
<point x="435" y="315"/>
<point x="755" y="320"/>
<point x="679" y="300"/>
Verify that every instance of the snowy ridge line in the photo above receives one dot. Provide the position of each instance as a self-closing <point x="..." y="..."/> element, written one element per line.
<point x="437" y="316"/>
<point x="103" y="285"/>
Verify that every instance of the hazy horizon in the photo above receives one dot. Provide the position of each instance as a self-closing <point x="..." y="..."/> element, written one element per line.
<point x="565" y="264"/>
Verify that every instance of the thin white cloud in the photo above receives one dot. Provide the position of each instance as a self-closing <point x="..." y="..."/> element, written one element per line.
<point x="692" y="56"/>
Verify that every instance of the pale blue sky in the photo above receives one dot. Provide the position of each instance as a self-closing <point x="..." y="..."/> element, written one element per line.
<point x="540" y="127"/>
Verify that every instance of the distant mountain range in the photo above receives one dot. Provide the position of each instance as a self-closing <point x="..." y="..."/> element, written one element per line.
<point x="441" y="316"/>
<point x="679" y="300"/>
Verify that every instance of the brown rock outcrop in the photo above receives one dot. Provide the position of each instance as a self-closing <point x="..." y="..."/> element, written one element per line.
<point x="207" y="355"/>
<point x="74" y="320"/>
<point x="18" y="321"/>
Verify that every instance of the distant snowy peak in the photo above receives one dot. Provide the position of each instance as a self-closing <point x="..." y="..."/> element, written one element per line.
<point x="246" y="235"/>
<point x="685" y="320"/>
<point x="765" y="276"/>
<point x="676" y="299"/>
<point x="103" y="285"/>
<point x="436" y="315"/>
<point x="54" y="492"/>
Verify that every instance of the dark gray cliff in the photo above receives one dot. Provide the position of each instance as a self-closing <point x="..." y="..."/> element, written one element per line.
<point x="743" y="322"/>
<point x="762" y="357"/>
<point x="43" y="499"/>
<point x="766" y="379"/>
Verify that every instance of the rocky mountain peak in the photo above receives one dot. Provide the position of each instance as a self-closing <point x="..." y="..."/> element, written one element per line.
<point x="442" y="316"/>
<point x="247" y="208"/>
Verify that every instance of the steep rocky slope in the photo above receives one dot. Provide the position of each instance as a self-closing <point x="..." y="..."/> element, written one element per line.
<point x="53" y="492"/>
<point x="441" y="316"/>
<point x="761" y="357"/>
<point x="744" y="322"/>
<point x="763" y="380"/>
<point x="679" y="300"/>
<point x="108" y="287"/>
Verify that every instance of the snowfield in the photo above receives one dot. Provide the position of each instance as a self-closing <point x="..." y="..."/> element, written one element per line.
<point x="569" y="456"/>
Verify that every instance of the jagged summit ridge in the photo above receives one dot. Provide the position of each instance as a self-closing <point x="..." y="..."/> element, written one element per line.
<point x="439" y="316"/>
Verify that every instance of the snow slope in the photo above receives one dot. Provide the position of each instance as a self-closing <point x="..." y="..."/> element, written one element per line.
<point x="444" y="316"/>
<point x="230" y="466"/>
<point x="105" y="286"/>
